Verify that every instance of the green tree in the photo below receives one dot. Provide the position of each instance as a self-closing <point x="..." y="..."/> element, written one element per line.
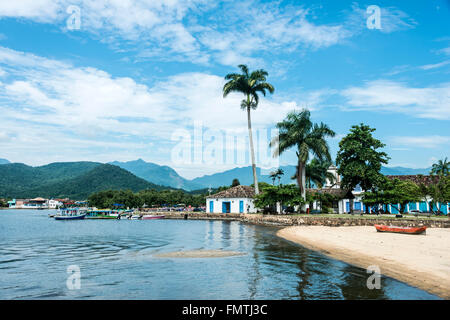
<point x="359" y="160"/>
<point x="235" y="182"/>
<point x="249" y="84"/>
<point x="438" y="192"/>
<point x="400" y="192"/>
<point x="316" y="171"/>
<point x="442" y="168"/>
<point x="284" y="194"/>
<point x="297" y="130"/>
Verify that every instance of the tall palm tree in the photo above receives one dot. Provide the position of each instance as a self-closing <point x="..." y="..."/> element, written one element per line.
<point x="249" y="84"/>
<point x="316" y="172"/>
<point x="297" y="130"/>
<point x="442" y="168"/>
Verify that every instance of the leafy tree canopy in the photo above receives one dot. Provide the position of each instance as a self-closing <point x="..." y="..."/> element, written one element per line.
<point x="359" y="159"/>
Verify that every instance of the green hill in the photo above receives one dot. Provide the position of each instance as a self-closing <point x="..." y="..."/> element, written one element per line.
<point x="154" y="173"/>
<point x="76" y="180"/>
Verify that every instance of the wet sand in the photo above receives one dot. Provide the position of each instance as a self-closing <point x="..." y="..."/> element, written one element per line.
<point x="199" y="254"/>
<point x="422" y="261"/>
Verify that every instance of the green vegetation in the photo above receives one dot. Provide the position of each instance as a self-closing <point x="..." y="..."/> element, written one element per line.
<point x="277" y="174"/>
<point x="249" y="84"/>
<point x="298" y="131"/>
<point x="288" y="195"/>
<point x="73" y="180"/>
<point x="235" y="182"/>
<point x="438" y="191"/>
<point x="442" y="168"/>
<point x="149" y="198"/>
<point x="359" y="160"/>
<point x="393" y="192"/>
<point x="3" y="203"/>
<point x="316" y="172"/>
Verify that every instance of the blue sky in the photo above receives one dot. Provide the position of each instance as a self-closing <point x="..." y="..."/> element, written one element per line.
<point x="137" y="74"/>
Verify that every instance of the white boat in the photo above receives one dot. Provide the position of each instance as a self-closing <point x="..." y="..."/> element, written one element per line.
<point x="70" y="214"/>
<point x="135" y="217"/>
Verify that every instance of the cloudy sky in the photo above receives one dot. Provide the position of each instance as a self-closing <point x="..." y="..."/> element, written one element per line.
<point x="113" y="80"/>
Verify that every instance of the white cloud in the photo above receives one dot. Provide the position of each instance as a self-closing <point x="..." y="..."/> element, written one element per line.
<point x="170" y="29"/>
<point x="86" y="113"/>
<point x="445" y="51"/>
<point x="426" y="102"/>
<point x="429" y="142"/>
<point x="37" y="10"/>
<point x="435" y="66"/>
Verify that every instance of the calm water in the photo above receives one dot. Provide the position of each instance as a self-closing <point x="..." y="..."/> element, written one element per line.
<point x="116" y="259"/>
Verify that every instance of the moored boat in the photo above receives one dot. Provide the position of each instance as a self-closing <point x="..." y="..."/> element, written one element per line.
<point x="135" y="217"/>
<point x="101" y="214"/>
<point x="70" y="214"/>
<point x="405" y="230"/>
<point x="153" y="216"/>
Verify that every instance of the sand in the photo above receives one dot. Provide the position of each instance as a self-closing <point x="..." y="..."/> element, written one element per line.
<point x="199" y="254"/>
<point x="422" y="261"/>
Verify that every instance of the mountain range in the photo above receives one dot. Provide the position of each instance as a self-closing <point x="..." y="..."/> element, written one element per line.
<point x="79" y="179"/>
<point x="75" y="180"/>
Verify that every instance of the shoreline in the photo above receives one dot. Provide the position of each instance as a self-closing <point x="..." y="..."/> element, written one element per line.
<point x="422" y="261"/>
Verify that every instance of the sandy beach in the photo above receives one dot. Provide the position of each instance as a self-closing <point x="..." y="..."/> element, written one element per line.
<point x="422" y="261"/>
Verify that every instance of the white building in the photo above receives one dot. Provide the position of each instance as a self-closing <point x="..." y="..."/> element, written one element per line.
<point x="237" y="199"/>
<point x="54" y="204"/>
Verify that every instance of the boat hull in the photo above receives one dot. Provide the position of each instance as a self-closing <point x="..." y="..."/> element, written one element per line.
<point x="404" y="230"/>
<point x="152" y="217"/>
<point x="70" y="217"/>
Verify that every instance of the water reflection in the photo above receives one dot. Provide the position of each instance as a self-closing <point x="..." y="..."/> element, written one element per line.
<point x="117" y="261"/>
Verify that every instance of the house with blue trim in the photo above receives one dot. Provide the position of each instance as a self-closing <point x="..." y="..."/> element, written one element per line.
<point x="342" y="204"/>
<point x="238" y="199"/>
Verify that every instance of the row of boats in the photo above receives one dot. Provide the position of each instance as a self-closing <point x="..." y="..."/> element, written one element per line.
<point x="85" y="213"/>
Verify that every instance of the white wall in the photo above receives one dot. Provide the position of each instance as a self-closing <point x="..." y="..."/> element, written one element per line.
<point x="234" y="205"/>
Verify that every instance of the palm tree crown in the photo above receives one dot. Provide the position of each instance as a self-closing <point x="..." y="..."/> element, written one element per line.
<point x="250" y="84"/>
<point x="442" y="167"/>
<point x="316" y="172"/>
<point x="298" y="131"/>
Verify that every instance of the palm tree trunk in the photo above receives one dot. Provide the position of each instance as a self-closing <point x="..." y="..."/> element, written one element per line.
<point x="301" y="181"/>
<point x="252" y="151"/>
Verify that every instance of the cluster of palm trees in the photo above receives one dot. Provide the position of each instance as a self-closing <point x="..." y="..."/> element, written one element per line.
<point x="277" y="174"/>
<point x="296" y="131"/>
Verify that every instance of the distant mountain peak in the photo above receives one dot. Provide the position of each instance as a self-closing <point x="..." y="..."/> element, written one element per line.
<point x="4" y="161"/>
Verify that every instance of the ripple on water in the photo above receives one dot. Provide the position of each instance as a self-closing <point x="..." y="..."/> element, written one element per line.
<point x="134" y="260"/>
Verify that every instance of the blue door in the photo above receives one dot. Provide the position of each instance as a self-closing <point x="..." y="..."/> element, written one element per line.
<point x="347" y="207"/>
<point x="358" y="206"/>
<point x="412" y="206"/>
<point x="241" y="206"/>
<point x="211" y="206"/>
<point x="226" y="207"/>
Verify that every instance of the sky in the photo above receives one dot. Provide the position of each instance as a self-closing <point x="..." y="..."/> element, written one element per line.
<point x="120" y="80"/>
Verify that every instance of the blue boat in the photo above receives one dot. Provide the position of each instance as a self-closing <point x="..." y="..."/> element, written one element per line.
<point x="70" y="214"/>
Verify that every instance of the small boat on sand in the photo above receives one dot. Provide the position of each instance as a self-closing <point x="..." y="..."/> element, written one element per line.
<point x="405" y="230"/>
<point x="153" y="216"/>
